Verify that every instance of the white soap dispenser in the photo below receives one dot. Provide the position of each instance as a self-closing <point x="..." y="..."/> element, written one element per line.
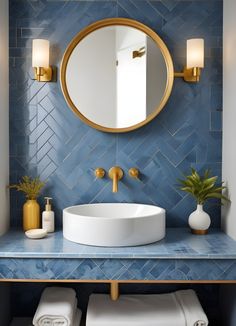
<point x="48" y="222"/>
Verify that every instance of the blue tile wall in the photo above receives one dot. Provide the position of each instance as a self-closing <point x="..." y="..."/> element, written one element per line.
<point x="46" y="139"/>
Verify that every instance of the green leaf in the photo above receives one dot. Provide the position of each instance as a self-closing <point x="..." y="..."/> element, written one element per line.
<point x="206" y="173"/>
<point x="217" y="195"/>
<point x="202" y="187"/>
<point x="211" y="180"/>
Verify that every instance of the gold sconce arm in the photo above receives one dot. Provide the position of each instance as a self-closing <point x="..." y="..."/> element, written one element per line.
<point x="191" y="75"/>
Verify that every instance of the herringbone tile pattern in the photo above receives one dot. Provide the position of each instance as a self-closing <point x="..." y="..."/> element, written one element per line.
<point x="46" y="139"/>
<point x="117" y="269"/>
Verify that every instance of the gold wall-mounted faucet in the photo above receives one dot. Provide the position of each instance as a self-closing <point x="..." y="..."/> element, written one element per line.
<point x="116" y="174"/>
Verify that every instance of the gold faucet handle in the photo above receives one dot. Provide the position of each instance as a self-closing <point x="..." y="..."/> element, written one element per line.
<point x="99" y="173"/>
<point x="134" y="173"/>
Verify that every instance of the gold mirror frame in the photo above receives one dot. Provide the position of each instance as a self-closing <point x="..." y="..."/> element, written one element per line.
<point x="119" y="22"/>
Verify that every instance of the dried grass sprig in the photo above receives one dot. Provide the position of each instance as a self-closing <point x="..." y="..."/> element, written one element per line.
<point x="31" y="187"/>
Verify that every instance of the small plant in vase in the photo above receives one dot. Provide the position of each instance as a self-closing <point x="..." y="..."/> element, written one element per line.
<point x="31" y="187"/>
<point x="201" y="188"/>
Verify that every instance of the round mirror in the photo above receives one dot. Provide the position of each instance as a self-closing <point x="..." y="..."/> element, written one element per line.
<point x="117" y="75"/>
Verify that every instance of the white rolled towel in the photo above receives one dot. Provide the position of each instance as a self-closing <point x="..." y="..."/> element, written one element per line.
<point x="57" y="306"/>
<point x="77" y="317"/>
<point x="178" y="308"/>
<point x="192" y="309"/>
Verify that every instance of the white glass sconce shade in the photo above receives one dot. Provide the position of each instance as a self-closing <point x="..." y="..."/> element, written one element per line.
<point x="195" y="53"/>
<point x="40" y="54"/>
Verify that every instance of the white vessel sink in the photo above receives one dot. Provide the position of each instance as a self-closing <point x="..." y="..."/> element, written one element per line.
<point x="114" y="225"/>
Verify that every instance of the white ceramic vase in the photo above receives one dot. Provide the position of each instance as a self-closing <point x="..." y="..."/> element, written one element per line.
<point x="199" y="221"/>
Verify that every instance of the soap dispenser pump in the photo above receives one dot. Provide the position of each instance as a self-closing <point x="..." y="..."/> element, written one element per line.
<point x="48" y="222"/>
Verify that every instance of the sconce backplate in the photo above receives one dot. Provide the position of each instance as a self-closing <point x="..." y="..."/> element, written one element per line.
<point x="48" y="74"/>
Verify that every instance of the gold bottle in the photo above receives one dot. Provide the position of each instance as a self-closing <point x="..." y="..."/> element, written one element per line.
<point x="31" y="215"/>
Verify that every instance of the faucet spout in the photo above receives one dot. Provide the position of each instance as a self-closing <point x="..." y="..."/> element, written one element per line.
<point x="115" y="183"/>
<point x="115" y="173"/>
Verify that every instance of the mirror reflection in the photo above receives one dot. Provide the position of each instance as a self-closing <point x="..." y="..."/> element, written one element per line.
<point x="116" y="77"/>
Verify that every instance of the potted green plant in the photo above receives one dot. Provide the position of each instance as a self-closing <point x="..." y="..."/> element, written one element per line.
<point x="31" y="187"/>
<point x="201" y="188"/>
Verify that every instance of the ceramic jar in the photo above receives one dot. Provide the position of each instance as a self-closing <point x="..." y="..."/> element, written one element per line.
<point x="199" y="221"/>
<point x="31" y="215"/>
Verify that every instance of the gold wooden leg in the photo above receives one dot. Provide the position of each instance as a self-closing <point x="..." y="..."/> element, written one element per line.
<point x="114" y="291"/>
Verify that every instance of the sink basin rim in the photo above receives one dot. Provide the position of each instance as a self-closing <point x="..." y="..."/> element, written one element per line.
<point x="158" y="210"/>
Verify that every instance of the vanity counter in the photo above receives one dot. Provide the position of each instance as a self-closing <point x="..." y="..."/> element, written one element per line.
<point x="180" y="256"/>
<point x="178" y="243"/>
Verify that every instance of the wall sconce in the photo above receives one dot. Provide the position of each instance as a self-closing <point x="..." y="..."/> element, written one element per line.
<point x="139" y="53"/>
<point x="195" y="61"/>
<point x="43" y="72"/>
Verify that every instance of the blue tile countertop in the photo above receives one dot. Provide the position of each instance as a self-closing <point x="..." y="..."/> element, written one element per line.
<point x="178" y="244"/>
<point x="181" y="256"/>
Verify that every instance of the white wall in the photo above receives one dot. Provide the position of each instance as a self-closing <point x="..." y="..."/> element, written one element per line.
<point x="4" y="148"/>
<point x="93" y="85"/>
<point x="4" y="117"/>
<point x="131" y="77"/>
<point x="229" y="116"/>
